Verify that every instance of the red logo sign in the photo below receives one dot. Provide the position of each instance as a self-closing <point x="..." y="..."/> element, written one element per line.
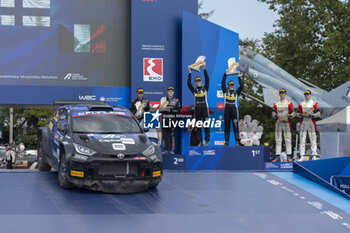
<point x="153" y="69"/>
<point x="220" y="106"/>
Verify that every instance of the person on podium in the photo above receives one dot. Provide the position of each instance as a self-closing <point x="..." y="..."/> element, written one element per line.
<point x="231" y="106"/>
<point x="200" y="92"/>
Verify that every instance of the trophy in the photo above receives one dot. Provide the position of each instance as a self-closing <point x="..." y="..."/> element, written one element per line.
<point x="197" y="65"/>
<point x="284" y="118"/>
<point x="154" y="108"/>
<point x="139" y="107"/>
<point x="232" y="66"/>
<point x="164" y="104"/>
<point x="309" y="112"/>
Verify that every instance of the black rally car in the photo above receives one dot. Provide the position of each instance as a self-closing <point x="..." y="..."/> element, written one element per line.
<point x="99" y="147"/>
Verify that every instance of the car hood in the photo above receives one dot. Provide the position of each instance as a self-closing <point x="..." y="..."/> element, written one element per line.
<point x="128" y="144"/>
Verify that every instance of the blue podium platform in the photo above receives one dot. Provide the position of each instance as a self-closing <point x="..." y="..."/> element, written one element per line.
<point x="220" y="158"/>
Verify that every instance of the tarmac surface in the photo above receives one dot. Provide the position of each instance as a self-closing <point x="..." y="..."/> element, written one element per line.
<point x="201" y="201"/>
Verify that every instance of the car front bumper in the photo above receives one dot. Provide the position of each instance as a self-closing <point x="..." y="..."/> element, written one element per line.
<point x="114" y="175"/>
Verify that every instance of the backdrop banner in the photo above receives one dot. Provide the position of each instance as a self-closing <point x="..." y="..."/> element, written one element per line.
<point x="203" y="38"/>
<point x="156" y="46"/>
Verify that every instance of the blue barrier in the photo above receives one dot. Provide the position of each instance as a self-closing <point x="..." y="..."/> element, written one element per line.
<point x="327" y="172"/>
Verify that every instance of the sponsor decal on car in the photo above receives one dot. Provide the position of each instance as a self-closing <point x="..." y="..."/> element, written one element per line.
<point x="117" y="113"/>
<point x="77" y="173"/>
<point x="129" y="141"/>
<point x="156" y="173"/>
<point x="118" y="146"/>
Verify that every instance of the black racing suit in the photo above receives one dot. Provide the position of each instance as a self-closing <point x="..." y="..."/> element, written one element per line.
<point x="231" y="110"/>
<point x="201" y="109"/>
<point x="169" y="114"/>
<point x="137" y="101"/>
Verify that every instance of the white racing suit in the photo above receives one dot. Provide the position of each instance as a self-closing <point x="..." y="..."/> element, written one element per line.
<point x="308" y="124"/>
<point x="283" y="109"/>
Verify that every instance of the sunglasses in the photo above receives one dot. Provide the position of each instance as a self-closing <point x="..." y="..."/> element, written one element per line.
<point x="140" y="92"/>
<point x="282" y="92"/>
<point x="307" y="94"/>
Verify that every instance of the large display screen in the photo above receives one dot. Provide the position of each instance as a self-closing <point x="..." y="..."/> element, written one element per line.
<point x="64" y="43"/>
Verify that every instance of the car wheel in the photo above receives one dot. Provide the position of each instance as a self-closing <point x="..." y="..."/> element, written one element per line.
<point x="42" y="165"/>
<point x="63" y="174"/>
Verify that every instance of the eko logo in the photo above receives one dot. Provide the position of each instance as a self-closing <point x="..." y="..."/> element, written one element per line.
<point x="153" y="69"/>
<point x="151" y="120"/>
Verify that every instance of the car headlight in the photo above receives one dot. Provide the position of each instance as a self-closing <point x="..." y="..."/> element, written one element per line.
<point x="149" y="151"/>
<point x="83" y="150"/>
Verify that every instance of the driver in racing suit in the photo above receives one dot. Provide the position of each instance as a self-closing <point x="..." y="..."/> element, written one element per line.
<point x="283" y="113"/>
<point x="308" y="110"/>
<point x="139" y="105"/>
<point x="201" y="109"/>
<point x="231" y="109"/>
<point x="172" y="107"/>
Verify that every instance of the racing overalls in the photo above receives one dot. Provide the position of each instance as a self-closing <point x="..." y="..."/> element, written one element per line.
<point x="169" y="114"/>
<point x="231" y="108"/>
<point x="308" y="124"/>
<point x="137" y="110"/>
<point x="10" y="158"/>
<point x="283" y="112"/>
<point x="201" y="109"/>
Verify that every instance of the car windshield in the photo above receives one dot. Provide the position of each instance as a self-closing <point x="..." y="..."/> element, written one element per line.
<point x="105" y="123"/>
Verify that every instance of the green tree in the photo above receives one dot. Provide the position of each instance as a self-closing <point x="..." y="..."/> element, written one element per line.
<point x="311" y="40"/>
<point x="26" y="124"/>
<point x="204" y="15"/>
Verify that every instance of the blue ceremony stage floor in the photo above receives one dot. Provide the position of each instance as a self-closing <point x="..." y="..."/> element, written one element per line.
<point x="206" y="202"/>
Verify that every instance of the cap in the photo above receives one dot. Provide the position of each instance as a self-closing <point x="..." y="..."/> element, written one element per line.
<point x="171" y="89"/>
<point x="139" y="90"/>
<point x="198" y="79"/>
<point x="307" y="92"/>
<point x="231" y="83"/>
<point x="283" y="91"/>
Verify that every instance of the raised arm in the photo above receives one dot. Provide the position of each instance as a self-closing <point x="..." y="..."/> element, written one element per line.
<point x="206" y="76"/>
<point x="241" y="85"/>
<point x="223" y="84"/>
<point x="189" y="83"/>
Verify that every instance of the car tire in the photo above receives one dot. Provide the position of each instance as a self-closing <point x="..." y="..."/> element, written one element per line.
<point x="63" y="173"/>
<point x="42" y="164"/>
